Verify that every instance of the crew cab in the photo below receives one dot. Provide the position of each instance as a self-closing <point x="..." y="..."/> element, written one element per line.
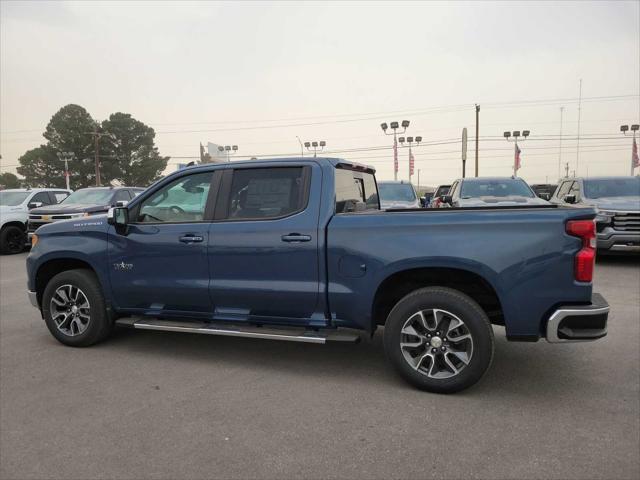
<point x="617" y="202"/>
<point x="82" y="203"/>
<point x="298" y="249"/>
<point x="15" y="204"/>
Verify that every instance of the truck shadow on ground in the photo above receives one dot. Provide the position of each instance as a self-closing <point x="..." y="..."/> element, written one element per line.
<point x="518" y="369"/>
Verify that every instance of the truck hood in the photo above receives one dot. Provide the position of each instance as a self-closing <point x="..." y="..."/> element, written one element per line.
<point x="501" y="201"/>
<point x="76" y="226"/>
<point x="398" y="204"/>
<point x="68" y="208"/>
<point x="631" y="203"/>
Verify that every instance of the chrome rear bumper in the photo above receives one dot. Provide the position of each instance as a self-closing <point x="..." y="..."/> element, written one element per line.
<point x="579" y="323"/>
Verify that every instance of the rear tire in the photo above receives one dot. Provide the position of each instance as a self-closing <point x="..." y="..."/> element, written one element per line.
<point x="74" y="309"/>
<point x="12" y="240"/>
<point x="439" y="340"/>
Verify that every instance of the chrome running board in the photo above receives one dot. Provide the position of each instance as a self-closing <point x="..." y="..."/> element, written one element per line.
<point x="291" y="334"/>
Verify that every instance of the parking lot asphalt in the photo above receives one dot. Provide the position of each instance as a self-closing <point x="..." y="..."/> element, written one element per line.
<point x="169" y="405"/>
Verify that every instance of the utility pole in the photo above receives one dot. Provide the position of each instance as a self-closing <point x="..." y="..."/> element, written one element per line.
<point x="301" y="148"/>
<point x="96" y="139"/>
<point x="566" y="170"/>
<point x="418" y="181"/>
<point x="477" y="133"/>
<point x="560" y="144"/>
<point x="578" y="137"/>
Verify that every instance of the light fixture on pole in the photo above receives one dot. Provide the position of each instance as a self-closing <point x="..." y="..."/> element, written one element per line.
<point x="230" y="149"/>
<point x="410" y="141"/>
<point x="394" y="126"/>
<point x="635" y="162"/>
<point x="65" y="157"/>
<point x="315" y="146"/>
<point x="516" y="156"/>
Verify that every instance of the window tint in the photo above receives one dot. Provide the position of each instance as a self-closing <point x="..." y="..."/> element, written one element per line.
<point x="355" y="191"/>
<point x="42" y="197"/>
<point x="59" y="196"/>
<point x="183" y="200"/>
<point x="122" y="195"/>
<point x="263" y="193"/>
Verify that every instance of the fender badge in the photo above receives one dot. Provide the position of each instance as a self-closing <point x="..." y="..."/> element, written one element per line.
<point x="123" y="266"/>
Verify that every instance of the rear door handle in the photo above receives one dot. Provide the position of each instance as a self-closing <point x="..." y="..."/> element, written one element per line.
<point x="296" y="237"/>
<point x="190" y="238"/>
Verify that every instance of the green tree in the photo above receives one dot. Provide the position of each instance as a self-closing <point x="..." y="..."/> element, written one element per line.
<point x="130" y="155"/>
<point x="40" y="167"/>
<point x="9" y="180"/>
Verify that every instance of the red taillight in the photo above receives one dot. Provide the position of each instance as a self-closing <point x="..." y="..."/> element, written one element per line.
<point x="586" y="257"/>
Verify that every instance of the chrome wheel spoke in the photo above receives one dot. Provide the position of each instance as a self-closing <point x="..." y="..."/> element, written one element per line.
<point x="70" y="310"/>
<point x="439" y="336"/>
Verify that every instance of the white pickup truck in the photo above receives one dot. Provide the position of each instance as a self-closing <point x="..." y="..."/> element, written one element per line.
<point x="14" y="213"/>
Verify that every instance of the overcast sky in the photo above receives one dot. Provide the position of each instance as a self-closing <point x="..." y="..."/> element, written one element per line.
<point x="253" y="74"/>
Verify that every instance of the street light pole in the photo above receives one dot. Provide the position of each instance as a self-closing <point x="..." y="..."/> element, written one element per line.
<point x="314" y="146"/>
<point x="634" y="152"/>
<point x="394" y="127"/>
<point x="66" y="156"/>
<point x="230" y="149"/>
<point x="516" y="155"/>
<point x="410" y="141"/>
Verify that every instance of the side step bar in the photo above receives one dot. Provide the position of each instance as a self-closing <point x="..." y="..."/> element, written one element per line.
<point x="291" y="334"/>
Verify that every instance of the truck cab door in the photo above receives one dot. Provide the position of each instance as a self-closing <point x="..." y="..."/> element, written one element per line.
<point x="159" y="266"/>
<point x="263" y="244"/>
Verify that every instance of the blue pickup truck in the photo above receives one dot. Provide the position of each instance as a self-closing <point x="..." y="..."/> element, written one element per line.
<point x="299" y="249"/>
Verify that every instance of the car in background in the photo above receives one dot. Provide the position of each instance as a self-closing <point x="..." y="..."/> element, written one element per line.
<point x="82" y="203"/>
<point x="491" y="192"/>
<point x="544" y="190"/>
<point x="618" y="202"/>
<point x="15" y="204"/>
<point x="397" y="194"/>
<point x="441" y="191"/>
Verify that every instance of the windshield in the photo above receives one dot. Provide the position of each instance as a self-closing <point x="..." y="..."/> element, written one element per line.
<point x="612" y="187"/>
<point x="396" y="192"/>
<point x="90" y="196"/>
<point x="11" y="199"/>
<point x="495" y="188"/>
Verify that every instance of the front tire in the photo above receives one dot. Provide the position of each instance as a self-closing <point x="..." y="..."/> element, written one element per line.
<point x="439" y="340"/>
<point x="12" y="240"/>
<point x="74" y="309"/>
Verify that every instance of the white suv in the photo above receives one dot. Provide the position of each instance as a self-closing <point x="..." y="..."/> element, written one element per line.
<point x="14" y="212"/>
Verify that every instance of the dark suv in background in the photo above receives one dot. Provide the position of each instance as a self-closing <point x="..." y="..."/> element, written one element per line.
<point x="617" y="200"/>
<point x="82" y="203"/>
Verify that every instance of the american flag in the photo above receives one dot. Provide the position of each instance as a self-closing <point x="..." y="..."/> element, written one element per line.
<point x="395" y="154"/>
<point x="411" y="162"/>
<point x="516" y="159"/>
<point x="635" y="161"/>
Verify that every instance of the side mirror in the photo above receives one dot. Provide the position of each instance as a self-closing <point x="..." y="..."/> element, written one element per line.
<point x="570" y="199"/>
<point x="545" y="196"/>
<point x="122" y="203"/>
<point x="118" y="216"/>
<point x="446" y="199"/>
<point x="31" y="205"/>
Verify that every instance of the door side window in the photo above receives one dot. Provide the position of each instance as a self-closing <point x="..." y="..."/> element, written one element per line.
<point x="454" y="189"/>
<point x="267" y="193"/>
<point x="563" y="189"/>
<point x="121" y="195"/>
<point x="42" y="197"/>
<point x="181" y="201"/>
<point x="59" y="196"/>
<point x="575" y="190"/>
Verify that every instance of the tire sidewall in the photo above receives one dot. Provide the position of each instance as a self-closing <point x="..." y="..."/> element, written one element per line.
<point x="4" y="246"/>
<point x="86" y="281"/>
<point x="460" y="305"/>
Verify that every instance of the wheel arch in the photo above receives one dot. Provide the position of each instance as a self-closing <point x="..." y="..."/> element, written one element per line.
<point x="50" y="268"/>
<point x="400" y="283"/>
<point x="14" y="223"/>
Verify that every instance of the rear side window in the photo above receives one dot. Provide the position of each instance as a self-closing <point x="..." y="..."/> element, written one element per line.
<point x="267" y="193"/>
<point x="355" y="191"/>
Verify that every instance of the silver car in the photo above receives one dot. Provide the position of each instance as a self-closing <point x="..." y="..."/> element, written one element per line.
<point x="491" y="192"/>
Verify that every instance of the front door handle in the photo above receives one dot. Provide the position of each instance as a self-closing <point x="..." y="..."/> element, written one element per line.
<point x="190" y="238"/>
<point x="296" y="237"/>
